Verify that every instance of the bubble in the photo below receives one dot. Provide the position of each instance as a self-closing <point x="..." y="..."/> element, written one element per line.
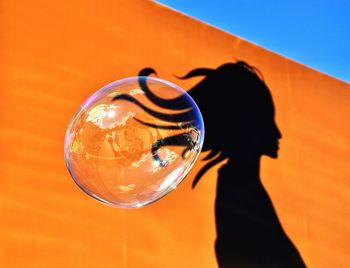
<point x="133" y="141"/>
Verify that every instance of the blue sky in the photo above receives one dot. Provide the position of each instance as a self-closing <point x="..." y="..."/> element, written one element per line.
<point x="313" y="32"/>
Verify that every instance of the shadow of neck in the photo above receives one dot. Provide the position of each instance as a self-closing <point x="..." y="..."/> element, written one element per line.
<point x="244" y="168"/>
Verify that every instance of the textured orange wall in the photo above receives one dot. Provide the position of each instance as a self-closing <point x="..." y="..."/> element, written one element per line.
<point x="53" y="54"/>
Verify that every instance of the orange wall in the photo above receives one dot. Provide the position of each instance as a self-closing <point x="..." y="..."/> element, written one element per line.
<point x="54" y="54"/>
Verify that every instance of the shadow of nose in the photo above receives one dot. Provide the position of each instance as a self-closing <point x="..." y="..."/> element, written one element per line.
<point x="279" y="134"/>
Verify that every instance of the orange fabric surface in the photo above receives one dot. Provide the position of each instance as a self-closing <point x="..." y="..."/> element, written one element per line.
<point x="54" y="54"/>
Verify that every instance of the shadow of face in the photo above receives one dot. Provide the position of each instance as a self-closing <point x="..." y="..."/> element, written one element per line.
<point x="256" y="134"/>
<point x="238" y="112"/>
<point x="265" y="131"/>
<point x="268" y="139"/>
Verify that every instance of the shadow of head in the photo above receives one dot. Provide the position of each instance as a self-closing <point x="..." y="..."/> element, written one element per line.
<point x="238" y="110"/>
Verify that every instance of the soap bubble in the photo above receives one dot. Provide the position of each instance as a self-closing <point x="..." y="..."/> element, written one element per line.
<point x="133" y="141"/>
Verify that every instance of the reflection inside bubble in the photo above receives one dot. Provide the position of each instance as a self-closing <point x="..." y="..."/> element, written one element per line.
<point x="121" y="150"/>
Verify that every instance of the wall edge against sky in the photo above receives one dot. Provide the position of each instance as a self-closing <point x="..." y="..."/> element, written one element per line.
<point x="171" y="9"/>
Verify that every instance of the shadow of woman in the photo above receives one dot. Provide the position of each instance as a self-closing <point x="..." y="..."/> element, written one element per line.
<point x="238" y="113"/>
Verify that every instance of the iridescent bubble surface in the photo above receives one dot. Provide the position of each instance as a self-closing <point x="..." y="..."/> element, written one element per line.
<point x="133" y="141"/>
